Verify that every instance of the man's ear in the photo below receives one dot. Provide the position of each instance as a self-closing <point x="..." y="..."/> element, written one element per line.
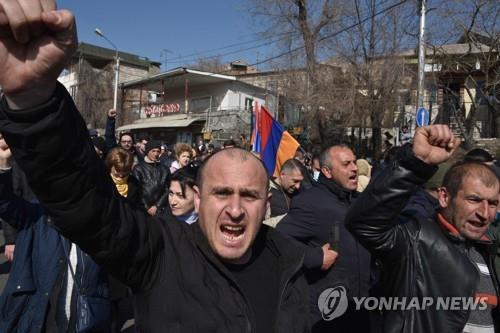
<point x="327" y="172"/>
<point x="196" y="198"/>
<point x="267" y="213"/>
<point x="443" y="197"/>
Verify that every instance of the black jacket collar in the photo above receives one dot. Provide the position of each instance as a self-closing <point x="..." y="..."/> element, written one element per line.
<point x="340" y="192"/>
<point x="485" y="245"/>
<point x="289" y="256"/>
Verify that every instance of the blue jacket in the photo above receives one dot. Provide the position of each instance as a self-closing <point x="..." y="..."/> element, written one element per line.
<point x="421" y="204"/>
<point x="39" y="263"/>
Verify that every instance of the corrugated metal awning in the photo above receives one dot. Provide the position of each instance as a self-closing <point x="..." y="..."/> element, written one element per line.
<point x="164" y="122"/>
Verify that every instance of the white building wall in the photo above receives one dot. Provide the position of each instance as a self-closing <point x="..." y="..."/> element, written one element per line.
<point x="68" y="80"/>
<point x="225" y="95"/>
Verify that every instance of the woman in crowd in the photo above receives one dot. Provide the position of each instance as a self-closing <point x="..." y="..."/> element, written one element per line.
<point x="119" y="164"/>
<point x="184" y="155"/>
<point x="181" y="194"/>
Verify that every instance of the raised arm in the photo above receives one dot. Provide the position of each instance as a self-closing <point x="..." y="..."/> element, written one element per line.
<point x="373" y="218"/>
<point x="49" y="141"/>
<point x="109" y="133"/>
<point x="16" y="212"/>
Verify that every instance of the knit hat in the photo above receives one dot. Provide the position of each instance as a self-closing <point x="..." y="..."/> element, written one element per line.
<point x="152" y="144"/>
<point x="437" y="179"/>
<point x="99" y="143"/>
<point x="496" y="169"/>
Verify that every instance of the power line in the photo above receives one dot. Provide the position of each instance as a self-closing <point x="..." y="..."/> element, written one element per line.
<point x="330" y="35"/>
<point x="232" y="52"/>
<point x="227" y="47"/>
<point x="187" y="58"/>
<point x="301" y="47"/>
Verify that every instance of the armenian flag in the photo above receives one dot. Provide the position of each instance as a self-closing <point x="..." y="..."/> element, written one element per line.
<point x="271" y="141"/>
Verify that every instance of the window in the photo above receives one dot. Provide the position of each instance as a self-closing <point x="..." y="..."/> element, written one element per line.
<point x="72" y="91"/>
<point x="248" y="103"/>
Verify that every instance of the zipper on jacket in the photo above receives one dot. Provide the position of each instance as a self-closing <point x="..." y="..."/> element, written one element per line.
<point x="249" y="312"/>
<point x="80" y="260"/>
<point x="494" y="275"/>
<point x="282" y="292"/>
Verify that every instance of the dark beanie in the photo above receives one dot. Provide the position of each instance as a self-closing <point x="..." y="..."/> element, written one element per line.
<point x="99" y="143"/>
<point x="496" y="169"/>
<point x="152" y="144"/>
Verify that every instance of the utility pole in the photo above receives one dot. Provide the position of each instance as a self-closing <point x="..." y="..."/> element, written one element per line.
<point x="421" y="56"/>
<point x="117" y="65"/>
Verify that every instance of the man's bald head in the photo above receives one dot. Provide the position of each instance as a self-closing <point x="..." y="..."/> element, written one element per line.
<point x="238" y="155"/>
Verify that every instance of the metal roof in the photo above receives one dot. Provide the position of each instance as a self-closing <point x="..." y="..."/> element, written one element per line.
<point x="449" y="49"/>
<point x="173" y="121"/>
<point x="98" y="52"/>
<point x="171" y="79"/>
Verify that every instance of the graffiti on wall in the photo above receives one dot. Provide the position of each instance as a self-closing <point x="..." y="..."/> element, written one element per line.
<point x="159" y="110"/>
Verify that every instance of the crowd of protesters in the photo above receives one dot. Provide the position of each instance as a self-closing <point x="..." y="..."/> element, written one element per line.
<point x="200" y="239"/>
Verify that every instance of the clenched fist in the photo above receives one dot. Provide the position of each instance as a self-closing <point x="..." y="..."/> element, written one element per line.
<point x="5" y="154"/>
<point x="434" y="144"/>
<point x="36" y="42"/>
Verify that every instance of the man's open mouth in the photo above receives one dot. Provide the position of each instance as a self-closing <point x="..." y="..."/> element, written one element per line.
<point x="232" y="232"/>
<point x="477" y="224"/>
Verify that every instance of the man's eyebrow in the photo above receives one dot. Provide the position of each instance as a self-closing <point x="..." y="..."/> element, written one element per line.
<point x="479" y="197"/>
<point x="226" y="190"/>
<point x="248" y="192"/>
<point x="222" y="190"/>
<point x="474" y="196"/>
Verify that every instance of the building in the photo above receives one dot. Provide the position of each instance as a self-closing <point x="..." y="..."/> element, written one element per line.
<point x="461" y="85"/>
<point x="90" y="78"/>
<point x="183" y="105"/>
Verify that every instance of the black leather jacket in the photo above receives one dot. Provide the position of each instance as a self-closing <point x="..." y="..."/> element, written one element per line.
<point x="420" y="257"/>
<point x="155" y="180"/>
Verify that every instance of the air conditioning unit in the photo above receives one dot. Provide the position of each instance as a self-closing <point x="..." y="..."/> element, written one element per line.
<point x="152" y="97"/>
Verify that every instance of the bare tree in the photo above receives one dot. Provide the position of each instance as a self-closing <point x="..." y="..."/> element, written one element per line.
<point x="369" y="46"/>
<point x="360" y="40"/>
<point x="212" y="64"/>
<point x="94" y="93"/>
<point x="334" y="100"/>
<point x="300" y="23"/>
